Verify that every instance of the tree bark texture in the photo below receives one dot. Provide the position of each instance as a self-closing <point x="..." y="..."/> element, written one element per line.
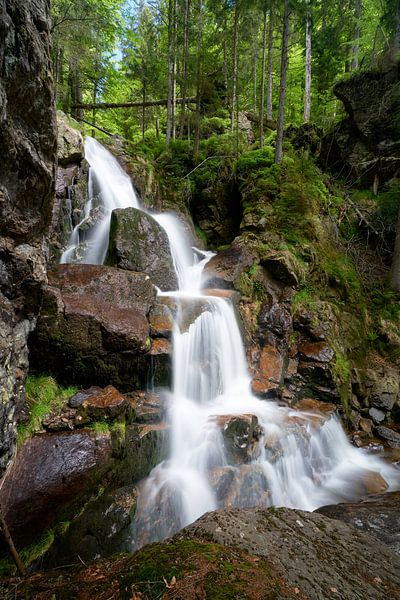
<point x="307" y="87"/>
<point x="269" y="61"/>
<point x="262" y="93"/>
<point x="282" y="88"/>
<point x="235" y="65"/>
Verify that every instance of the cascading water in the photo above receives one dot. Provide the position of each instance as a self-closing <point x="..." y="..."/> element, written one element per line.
<point x="109" y="188"/>
<point x="297" y="459"/>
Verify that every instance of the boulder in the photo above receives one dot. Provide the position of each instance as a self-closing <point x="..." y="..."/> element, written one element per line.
<point x="52" y="473"/>
<point x="93" y="327"/>
<point x="284" y="267"/>
<point x="365" y="145"/>
<point x="237" y="553"/>
<point x="225" y="268"/>
<point x="315" y="556"/>
<point x="377" y="515"/>
<point x="138" y="243"/>
<point x="241" y="434"/>
<point x="391" y="436"/>
<point x="70" y="148"/>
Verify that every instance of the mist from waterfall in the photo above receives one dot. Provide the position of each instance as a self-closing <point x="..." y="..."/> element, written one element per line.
<point x="298" y="459"/>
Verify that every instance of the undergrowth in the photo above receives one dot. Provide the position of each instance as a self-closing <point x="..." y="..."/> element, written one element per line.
<point x="43" y="394"/>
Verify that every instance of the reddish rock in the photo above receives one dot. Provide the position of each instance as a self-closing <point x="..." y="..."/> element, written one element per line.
<point x="52" y="472"/>
<point x="93" y="326"/>
<point x="316" y="351"/>
<point x="316" y="406"/>
<point x="161" y="321"/>
<point x="268" y="372"/>
<point x="106" y="403"/>
<point x="148" y="407"/>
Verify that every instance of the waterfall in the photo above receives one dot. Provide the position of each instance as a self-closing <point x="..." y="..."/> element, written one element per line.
<point x="296" y="459"/>
<point x="109" y="188"/>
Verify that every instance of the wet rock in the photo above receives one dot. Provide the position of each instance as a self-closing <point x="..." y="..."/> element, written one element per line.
<point x="392" y="437"/>
<point x="148" y="407"/>
<point x="225" y="268"/>
<point x="102" y="404"/>
<point x="161" y="321"/>
<point x="147" y="446"/>
<point x="52" y="473"/>
<point x="241" y="435"/>
<point x="93" y="326"/>
<point x="268" y="372"/>
<point x="70" y="148"/>
<point x="103" y="529"/>
<point x="314" y="555"/>
<point x="150" y="253"/>
<point x="316" y="351"/>
<point x="378" y="515"/>
<point x="28" y="157"/>
<point x="316" y="406"/>
<point x="275" y="317"/>
<point x="283" y="265"/>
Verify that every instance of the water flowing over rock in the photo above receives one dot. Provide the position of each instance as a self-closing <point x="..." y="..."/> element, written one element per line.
<point x="138" y="243"/>
<point x="28" y="156"/>
<point x="226" y="446"/>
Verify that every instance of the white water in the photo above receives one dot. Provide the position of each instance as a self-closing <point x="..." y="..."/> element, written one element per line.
<point x="299" y="460"/>
<point x="109" y="188"/>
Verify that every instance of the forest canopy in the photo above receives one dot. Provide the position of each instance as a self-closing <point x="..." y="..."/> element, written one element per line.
<point x="192" y="68"/>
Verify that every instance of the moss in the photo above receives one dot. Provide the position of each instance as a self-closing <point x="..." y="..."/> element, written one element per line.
<point x="100" y="427"/>
<point x="43" y="395"/>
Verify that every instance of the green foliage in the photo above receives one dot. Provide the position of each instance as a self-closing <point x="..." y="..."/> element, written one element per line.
<point x="100" y="427"/>
<point x="43" y="394"/>
<point x="341" y="273"/>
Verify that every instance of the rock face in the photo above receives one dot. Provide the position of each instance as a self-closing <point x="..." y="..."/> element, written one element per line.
<point x="71" y="184"/>
<point x="366" y="144"/>
<point x="93" y="326"/>
<point x="238" y="553"/>
<point x="28" y="153"/>
<point x="138" y="243"/>
<point x="55" y="469"/>
<point x="318" y="557"/>
<point x="378" y="515"/>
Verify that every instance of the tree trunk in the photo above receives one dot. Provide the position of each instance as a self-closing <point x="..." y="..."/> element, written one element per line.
<point x="356" y="40"/>
<point x="264" y="48"/>
<point x="395" y="270"/>
<point x="75" y="88"/>
<point x="307" y="90"/>
<point x="143" y="111"/>
<point x="173" y="111"/>
<point x="282" y="87"/>
<point x="102" y="105"/>
<point x="235" y="66"/>
<point x="184" y="64"/>
<point x="9" y="541"/>
<point x="270" y="73"/>
<point x="170" y="71"/>
<point x="198" y="78"/>
<point x="255" y="77"/>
